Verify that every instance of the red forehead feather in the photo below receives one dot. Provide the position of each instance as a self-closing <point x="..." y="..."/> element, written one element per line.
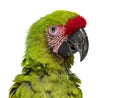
<point x="74" y="24"/>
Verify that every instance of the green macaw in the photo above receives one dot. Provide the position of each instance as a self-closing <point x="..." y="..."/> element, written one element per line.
<point x="50" y="45"/>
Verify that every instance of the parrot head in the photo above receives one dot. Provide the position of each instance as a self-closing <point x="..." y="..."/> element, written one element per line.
<point x="60" y="34"/>
<point x="65" y="40"/>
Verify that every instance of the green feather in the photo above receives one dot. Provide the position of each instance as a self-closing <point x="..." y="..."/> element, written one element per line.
<point x="43" y="74"/>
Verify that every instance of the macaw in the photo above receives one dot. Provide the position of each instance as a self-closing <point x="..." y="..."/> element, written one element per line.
<point x="49" y="54"/>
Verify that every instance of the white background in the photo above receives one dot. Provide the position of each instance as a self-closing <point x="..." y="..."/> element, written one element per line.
<point x="99" y="72"/>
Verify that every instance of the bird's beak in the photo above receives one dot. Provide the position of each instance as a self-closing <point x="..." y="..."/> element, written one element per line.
<point x="77" y="42"/>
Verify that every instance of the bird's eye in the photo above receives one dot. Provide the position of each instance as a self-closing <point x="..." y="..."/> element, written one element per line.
<point x="53" y="30"/>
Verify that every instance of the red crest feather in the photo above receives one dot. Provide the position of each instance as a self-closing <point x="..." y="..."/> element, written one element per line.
<point x="74" y="24"/>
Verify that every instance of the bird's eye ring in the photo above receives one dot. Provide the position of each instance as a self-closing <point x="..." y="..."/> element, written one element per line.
<point x="53" y="30"/>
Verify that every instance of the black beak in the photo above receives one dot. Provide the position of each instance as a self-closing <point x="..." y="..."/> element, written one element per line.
<point x="77" y="42"/>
